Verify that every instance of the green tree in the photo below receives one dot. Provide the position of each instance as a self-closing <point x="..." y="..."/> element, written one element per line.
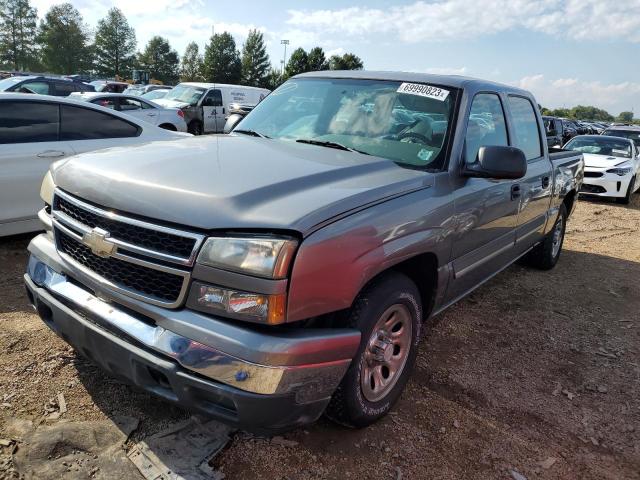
<point x="64" y="40"/>
<point x="191" y="67"/>
<point x="274" y="79"/>
<point x="18" y="31"/>
<point x="160" y="60"/>
<point x="560" y="112"/>
<point x="298" y="63"/>
<point x="316" y="60"/>
<point x="255" y="61"/>
<point x="115" y="45"/>
<point x="589" y="112"/>
<point x="348" y="61"/>
<point x="222" y="62"/>
<point x="626" y="117"/>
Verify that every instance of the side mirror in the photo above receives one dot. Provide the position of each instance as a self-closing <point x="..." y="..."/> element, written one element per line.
<point x="497" y="162"/>
<point x="231" y="123"/>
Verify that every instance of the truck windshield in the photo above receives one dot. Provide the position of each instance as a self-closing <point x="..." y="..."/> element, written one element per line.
<point x="185" y="93"/>
<point x="405" y="122"/>
<point x="600" y="145"/>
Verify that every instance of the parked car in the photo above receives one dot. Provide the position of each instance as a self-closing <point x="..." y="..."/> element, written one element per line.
<point x="109" y="86"/>
<point x="569" y="130"/>
<point x="142" y="109"/>
<point x="554" y="131"/>
<point x="205" y="105"/>
<point x="155" y="94"/>
<point x="236" y="113"/>
<point x="286" y="269"/>
<point x="56" y="86"/>
<point x="142" y="89"/>
<point x="611" y="165"/>
<point x="629" y="131"/>
<point x="35" y="131"/>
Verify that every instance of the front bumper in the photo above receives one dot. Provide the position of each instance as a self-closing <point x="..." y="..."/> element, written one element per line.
<point x="606" y="184"/>
<point x="262" y="398"/>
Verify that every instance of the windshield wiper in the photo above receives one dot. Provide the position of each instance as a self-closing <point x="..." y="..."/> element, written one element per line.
<point x="253" y="133"/>
<point x="324" y="143"/>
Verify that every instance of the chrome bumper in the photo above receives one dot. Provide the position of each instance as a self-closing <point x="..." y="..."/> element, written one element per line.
<point x="308" y="382"/>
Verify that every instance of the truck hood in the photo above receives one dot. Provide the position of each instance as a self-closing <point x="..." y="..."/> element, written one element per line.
<point x="235" y="181"/>
<point x="170" y="103"/>
<point x="593" y="160"/>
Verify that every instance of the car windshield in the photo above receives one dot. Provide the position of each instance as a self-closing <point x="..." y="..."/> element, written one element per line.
<point x="185" y="93"/>
<point x="155" y="94"/>
<point x="404" y="122"/>
<point x="600" y="145"/>
<point x="9" y="82"/>
<point x="632" y="134"/>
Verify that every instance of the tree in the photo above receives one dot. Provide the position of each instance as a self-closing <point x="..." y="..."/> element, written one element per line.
<point x="255" y="61"/>
<point x="18" y="31"/>
<point x="191" y="68"/>
<point x="626" y="117"/>
<point x="274" y="79"/>
<point x="298" y="63"/>
<point x="160" y="60"/>
<point x="316" y="60"/>
<point x="589" y="112"/>
<point x="348" y="61"/>
<point x="115" y="45"/>
<point x="222" y="60"/>
<point x="64" y="40"/>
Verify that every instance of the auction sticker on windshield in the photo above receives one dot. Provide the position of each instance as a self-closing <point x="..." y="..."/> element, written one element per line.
<point x="424" y="91"/>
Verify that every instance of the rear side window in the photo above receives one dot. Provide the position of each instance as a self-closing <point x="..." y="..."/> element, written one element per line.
<point x="65" y="89"/>
<point x="41" y="88"/>
<point x="526" y="134"/>
<point x="79" y="123"/>
<point x="105" y="102"/>
<point x="486" y="125"/>
<point x="28" y="122"/>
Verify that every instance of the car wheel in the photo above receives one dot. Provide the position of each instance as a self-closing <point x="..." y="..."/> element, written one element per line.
<point x="388" y="313"/>
<point x="627" y="198"/>
<point x="195" y="128"/>
<point x="545" y="255"/>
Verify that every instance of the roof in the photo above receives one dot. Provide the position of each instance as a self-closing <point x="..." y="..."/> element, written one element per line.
<point x="212" y="85"/>
<point x="455" y="81"/>
<point x="598" y="137"/>
<point x="634" y="128"/>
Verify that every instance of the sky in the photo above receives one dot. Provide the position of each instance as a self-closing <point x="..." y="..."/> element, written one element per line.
<point x="567" y="52"/>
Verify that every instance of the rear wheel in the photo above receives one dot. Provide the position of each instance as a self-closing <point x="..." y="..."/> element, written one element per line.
<point x="627" y="198"/>
<point x="546" y="255"/>
<point x="388" y="313"/>
<point x="195" y="128"/>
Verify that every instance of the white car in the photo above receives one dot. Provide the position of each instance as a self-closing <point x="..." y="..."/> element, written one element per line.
<point x="143" y="109"/>
<point x="611" y="165"/>
<point x="36" y="130"/>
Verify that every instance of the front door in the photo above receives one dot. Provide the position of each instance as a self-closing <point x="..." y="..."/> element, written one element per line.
<point x="212" y="111"/>
<point x="486" y="209"/>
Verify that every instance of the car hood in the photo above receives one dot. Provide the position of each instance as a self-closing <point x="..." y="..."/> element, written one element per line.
<point x="235" y="182"/>
<point x="170" y="103"/>
<point x="602" y="161"/>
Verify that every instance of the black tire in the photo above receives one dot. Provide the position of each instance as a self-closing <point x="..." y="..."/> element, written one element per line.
<point x="349" y="406"/>
<point x="544" y="256"/>
<point x="627" y="198"/>
<point x="195" y="128"/>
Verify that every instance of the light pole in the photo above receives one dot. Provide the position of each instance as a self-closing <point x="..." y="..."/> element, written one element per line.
<point x="284" y="59"/>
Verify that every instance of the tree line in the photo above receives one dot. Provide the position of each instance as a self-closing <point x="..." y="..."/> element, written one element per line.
<point x="589" y="112"/>
<point x="62" y="43"/>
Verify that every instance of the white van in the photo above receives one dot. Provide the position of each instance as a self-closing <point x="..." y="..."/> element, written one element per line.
<point x="206" y="105"/>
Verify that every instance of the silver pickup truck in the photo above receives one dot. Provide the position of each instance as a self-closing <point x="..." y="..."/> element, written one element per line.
<point x="285" y="270"/>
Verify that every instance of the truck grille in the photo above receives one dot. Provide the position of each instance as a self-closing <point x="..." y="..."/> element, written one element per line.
<point x="137" y="258"/>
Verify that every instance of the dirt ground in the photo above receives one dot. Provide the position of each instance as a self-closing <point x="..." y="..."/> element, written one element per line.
<point x="536" y="373"/>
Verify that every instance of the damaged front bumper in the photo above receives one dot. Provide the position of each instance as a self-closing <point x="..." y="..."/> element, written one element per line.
<point x="256" y="396"/>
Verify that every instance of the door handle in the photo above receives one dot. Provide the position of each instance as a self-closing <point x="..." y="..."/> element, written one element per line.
<point x="51" y="154"/>
<point x="515" y="191"/>
<point x="222" y="110"/>
<point x="545" y="182"/>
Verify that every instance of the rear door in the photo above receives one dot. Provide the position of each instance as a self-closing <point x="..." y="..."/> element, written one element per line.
<point x="535" y="187"/>
<point x="212" y="108"/>
<point x="28" y="144"/>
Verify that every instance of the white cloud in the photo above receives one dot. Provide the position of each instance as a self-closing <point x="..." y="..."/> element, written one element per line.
<point x="455" y="19"/>
<point x="569" y="92"/>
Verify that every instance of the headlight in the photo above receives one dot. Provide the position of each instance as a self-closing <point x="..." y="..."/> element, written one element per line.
<point x="47" y="188"/>
<point x="622" y="169"/>
<point x="254" y="307"/>
<point x="259" y="256"/>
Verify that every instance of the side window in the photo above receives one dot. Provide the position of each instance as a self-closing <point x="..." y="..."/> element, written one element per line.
<point x="128" y="104"/>
<point x="79" y="123"/>
<point x="486" y="125"/>
<point x="64" y="89"/>
<point x="105" y="102"/>
<point x="213" y="99"/>
<point x="28" y="122"/>
<point x="41" y="88"/>
<point x="526" y="135"/>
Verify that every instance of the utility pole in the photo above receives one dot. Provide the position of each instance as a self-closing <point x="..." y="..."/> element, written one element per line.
<point x="284" y="59"/>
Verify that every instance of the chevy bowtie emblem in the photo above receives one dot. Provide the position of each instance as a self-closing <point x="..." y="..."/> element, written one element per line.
<point x="98" y="241"/>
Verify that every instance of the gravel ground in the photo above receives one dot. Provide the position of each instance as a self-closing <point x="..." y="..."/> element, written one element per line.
<point x="536" y="373"/>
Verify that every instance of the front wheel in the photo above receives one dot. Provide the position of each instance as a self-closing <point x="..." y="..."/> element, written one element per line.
<point x="546" y="255"/>
<point x="388" y="313"/>
<point x="627" y="198"/>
